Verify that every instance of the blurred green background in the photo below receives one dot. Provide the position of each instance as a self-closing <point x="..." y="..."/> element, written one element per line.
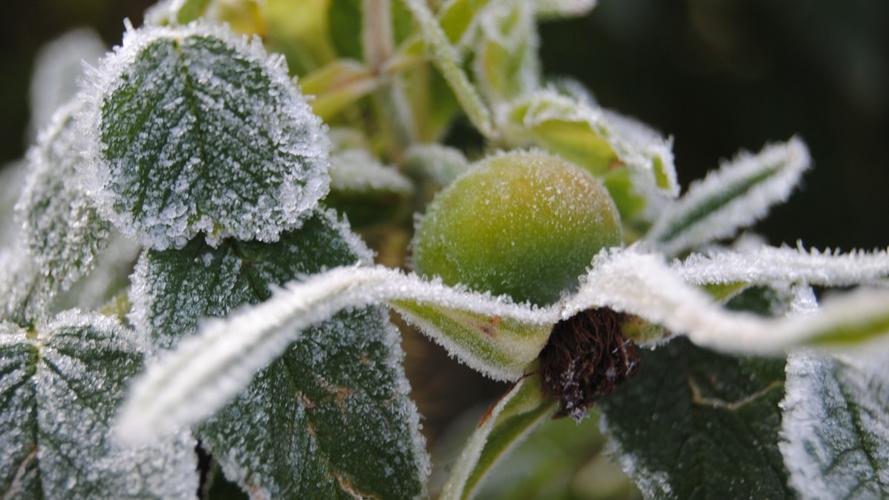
<point x="717" y="75"/>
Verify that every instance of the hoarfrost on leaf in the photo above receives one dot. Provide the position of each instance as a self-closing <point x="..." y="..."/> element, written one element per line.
<point x="12" y="179"/>
<point x="356" y="170"/>
<point x="441" y="164"/>
<point x="334" y="405"/>
<point x="763" y="265"/>
<point x="547" y="9"/>
<point x="194" y="130"/>
<point x="698" y="424"/>
<point x="737" y="195"/>
<point x="61" y="225"/>
<point x="60" y="387"/>
<point x="835" y="429"/>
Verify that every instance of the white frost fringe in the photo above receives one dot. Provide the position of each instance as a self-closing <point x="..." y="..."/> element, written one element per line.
<point x="790" y="159"/>
<point x="207" y="370"/>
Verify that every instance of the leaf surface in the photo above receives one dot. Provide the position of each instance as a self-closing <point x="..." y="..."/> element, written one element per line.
<point x="59" y="391"/>
<point x="694" y="424"/>
<point x="836" y="426"/>
<point x="331" y="416"/>
<point x="201" y="132"/>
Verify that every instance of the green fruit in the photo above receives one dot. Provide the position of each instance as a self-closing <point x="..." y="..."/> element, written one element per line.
<point x="525" y="224"/>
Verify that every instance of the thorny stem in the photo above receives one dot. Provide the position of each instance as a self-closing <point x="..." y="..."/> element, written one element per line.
<point x="586" y="357"/>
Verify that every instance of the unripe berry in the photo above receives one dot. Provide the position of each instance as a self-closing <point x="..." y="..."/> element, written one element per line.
<point x="525" y="224"/>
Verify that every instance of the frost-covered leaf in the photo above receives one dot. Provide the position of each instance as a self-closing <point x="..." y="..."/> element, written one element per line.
<point x="835" y="431"/>
<point x="332" y="414"/>
<point x="643" y="285"/>
<point x="367" y="191"/>
<point x="694" y="424"/>
<point x="548" y="9"/>
<point x="503" y="427"/>
<point x="635" y="163"/>
<point x="59" y="389"/>
<point x="505" y="57"/>
<point x="338" y="85"/>
<point x="24" y="293"/>
<point x="109" y="277"/>
<point x="737" y="195"/>
<point x="12" y="180"/>
<point x="57" y="71"/>
<point x="439" y="163"/>
<point x="765" y="265"/>
<point x="175" y="11"/>
<point x="194" y="130"/>
<point x="357" y="171"/>
<point x="222" y="359"/>
<point x="60" y="223"/>
<point x="446" y="59"/>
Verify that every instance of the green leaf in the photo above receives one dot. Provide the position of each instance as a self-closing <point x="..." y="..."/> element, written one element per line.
<point x="506" y="64"/>
<point x="694" y="424"/>
<point x="334" y="407"/>
<point x="517" y="413"/>
<point x="445" y="57"/>
<point x="836" y="415"/>
<point x="338" y="85"/>
<point x="59" y="390"/>
<point x="191" y="10"/>
<point x="736" y="195"/>
<point x="61" y="225"/>
<point x="498" y="347"/>
<point x="201" y="132"/>
<point x="459" y="17"/>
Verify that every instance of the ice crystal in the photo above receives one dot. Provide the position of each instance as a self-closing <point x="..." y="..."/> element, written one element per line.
<point x="763" y="265"/>
<point x="194" y="130"/>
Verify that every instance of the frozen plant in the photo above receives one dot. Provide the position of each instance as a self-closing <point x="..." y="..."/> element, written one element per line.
<point x="187" y="273"/>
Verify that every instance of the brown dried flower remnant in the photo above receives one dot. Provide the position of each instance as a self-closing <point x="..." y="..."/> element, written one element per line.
<point x="585" y="358"/>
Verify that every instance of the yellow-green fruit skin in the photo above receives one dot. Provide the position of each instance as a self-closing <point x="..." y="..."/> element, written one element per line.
<point x="524" y="224"/>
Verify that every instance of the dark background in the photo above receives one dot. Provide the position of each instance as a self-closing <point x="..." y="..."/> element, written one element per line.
<point x="717" y="75"/>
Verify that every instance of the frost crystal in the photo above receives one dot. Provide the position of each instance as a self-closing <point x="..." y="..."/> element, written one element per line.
<point x="62" y="228"/>
<point x="334" y="406"/>
<point x="194" y="130"/>
<point x="60" y="388"/>
<point x="765" y="265"/>
<point x="738" y="194"/>
<point x="835" y="428"/>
